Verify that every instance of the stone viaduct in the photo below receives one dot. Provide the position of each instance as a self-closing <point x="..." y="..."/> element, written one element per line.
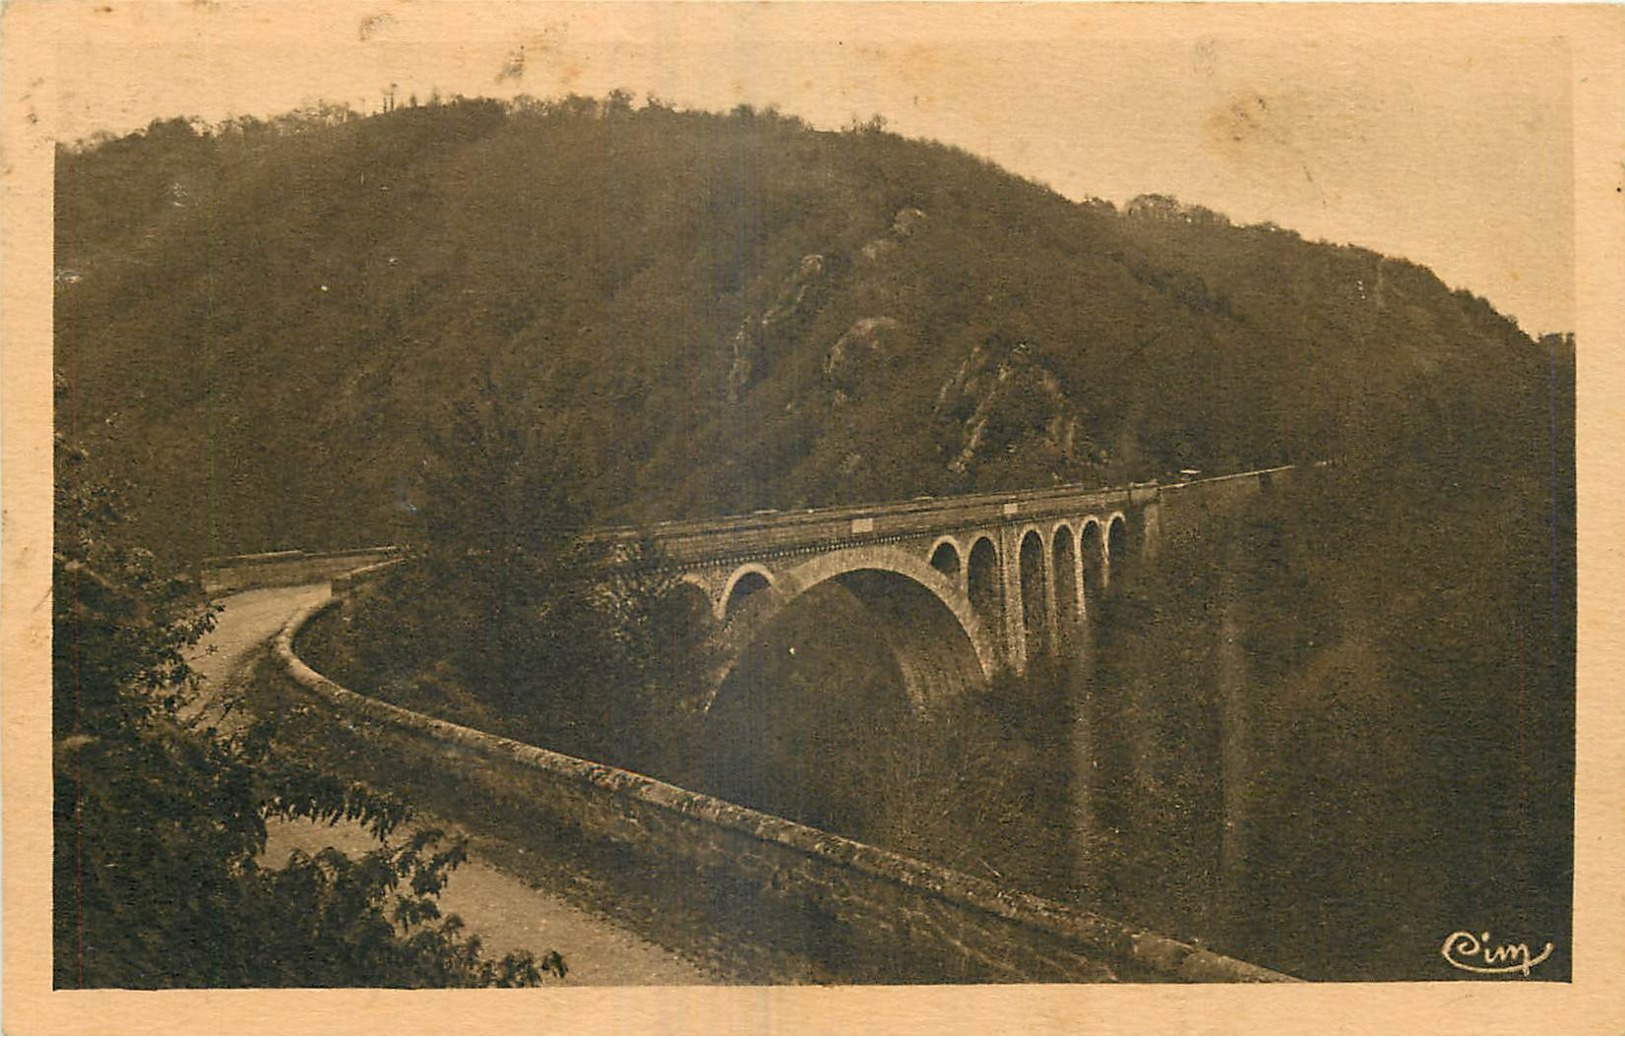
<point x="958" y="587"/>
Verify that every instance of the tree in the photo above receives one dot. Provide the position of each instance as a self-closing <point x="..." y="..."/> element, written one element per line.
<point x="499" y="533"/>
<point x="563" y="638"/>
<point x="160" y="822"/>
<point x="656" y="658"/>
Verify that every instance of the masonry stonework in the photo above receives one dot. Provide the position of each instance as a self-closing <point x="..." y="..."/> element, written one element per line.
<point x="872" y="915"/>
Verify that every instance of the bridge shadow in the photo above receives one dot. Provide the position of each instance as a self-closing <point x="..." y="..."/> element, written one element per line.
<point x="810" y="718"/>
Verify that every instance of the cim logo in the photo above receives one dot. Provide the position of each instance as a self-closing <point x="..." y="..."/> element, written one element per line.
<point x="1474" y="953"/>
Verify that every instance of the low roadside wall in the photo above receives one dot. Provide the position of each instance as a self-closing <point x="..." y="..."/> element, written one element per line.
<point x="868" y="914"/>
<point x="293" y="567"/>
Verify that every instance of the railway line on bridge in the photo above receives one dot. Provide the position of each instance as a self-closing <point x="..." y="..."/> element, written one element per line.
<point x="958" y="587"/>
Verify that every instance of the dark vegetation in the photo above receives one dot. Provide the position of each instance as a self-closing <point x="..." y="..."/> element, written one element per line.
<point x="535" y="632"/>
<point x="813" y="724"/>
<point x="264" y="321"/>
<point x="727" y="920"/>
<point x="160" y="819"/>
<point x="1341" y="721"/>
<point x="1327" y="728"/>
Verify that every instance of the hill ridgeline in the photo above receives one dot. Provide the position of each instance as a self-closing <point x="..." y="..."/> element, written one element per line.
<point x="259" y="327"/>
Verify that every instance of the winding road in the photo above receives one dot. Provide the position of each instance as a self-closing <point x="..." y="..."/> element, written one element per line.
<point x="506" y="912"/>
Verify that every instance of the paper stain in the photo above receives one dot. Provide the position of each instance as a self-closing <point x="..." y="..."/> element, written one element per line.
<point x="1260" y="133"/>
<point x="375" y="24"/>
<point x="1247" y="122"/>
<point x="540" y="47"/>
<point x="1207" y="56"/>
<point x="514" y="67"/>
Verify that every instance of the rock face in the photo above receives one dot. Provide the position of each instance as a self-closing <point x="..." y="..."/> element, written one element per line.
<point x="908" y="218"/>
<point x="750" y="343"/>
<point x="794" y="292"/>
<point x="863" y="345"/>
<point x="1003" y="400"/>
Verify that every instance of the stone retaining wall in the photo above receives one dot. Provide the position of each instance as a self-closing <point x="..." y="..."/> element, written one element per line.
<point x="880" y="907"/>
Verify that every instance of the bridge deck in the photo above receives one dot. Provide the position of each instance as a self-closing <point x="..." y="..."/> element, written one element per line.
<point x="766" y="531"/>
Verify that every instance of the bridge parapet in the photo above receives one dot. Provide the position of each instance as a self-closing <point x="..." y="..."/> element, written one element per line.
<point x="879" y="911"/>
<point x="769" y="533"/>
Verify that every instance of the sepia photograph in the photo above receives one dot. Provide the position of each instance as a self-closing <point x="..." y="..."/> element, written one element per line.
<point x="855" y="509"/>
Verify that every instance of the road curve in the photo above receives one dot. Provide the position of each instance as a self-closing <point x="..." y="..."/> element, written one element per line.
<point x="506" y="912"/>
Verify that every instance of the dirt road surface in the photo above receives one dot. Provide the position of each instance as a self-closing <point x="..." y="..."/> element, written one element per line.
<point x="506" y="912"/>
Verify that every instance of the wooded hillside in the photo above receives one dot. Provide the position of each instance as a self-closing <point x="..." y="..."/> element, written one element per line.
<point x="259" y="324"/>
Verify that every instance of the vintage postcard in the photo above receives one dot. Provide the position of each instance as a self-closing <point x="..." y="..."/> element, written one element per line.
<point x="812" y="517"/>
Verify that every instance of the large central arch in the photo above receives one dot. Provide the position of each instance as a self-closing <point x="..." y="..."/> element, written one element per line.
<point x="941" y="647"/>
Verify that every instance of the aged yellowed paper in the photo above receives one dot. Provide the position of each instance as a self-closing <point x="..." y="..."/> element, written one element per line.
<point x="1347" y="123"/>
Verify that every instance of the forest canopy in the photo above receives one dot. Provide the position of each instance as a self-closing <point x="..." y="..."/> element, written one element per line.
<point x="714" y="313"/>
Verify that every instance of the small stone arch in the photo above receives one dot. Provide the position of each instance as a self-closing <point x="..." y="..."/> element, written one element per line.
<point x="982" y="585"/>
<point x="947" y="557"/>
<point x="1033" y="581"/>
<point x="692" y="584"/>
<point x="1042" y="533"/>
<point x="1118" y="544"/>
<point x="699" y="582"/>
<point x="746" y="580"/>
<point x="1092" y="555"/>
<point x="1068" y="577"/>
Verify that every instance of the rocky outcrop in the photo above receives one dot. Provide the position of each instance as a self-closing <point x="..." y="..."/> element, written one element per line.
<point x="903" y="225"/>
<point x="1002" y="400"/>
<point x="750" y="342"/>
<point x="794" y="292"/>
<point x="858" y="348"/>
<point x="908" y="218"/>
